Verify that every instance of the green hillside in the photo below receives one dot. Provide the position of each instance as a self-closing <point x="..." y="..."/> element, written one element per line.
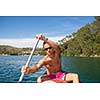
<point x="84" y="42"/>
<point x="9" y="50"/>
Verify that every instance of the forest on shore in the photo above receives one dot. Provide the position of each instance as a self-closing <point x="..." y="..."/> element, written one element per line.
<point x="84" y="42"/>
<point x="10" y="50"/>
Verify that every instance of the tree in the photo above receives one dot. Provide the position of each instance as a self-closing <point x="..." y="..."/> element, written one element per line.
<point x="86" y="41"/>
<point x="97" y="18"/>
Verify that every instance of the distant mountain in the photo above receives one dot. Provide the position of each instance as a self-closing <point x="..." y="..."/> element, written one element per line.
<point x="9" y="50"/>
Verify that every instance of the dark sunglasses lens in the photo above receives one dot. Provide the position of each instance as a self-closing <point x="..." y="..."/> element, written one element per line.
<point x="48" y="48"/>
<point x="45" y="49"/>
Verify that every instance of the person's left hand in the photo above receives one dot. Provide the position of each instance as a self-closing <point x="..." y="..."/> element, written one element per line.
<point x="40" y="36"/>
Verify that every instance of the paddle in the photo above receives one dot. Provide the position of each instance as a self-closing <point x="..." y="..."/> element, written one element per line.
<point x="29" y="59"/>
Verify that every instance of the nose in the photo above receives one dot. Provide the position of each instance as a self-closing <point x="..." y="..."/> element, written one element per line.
<point x="48" y="50"/>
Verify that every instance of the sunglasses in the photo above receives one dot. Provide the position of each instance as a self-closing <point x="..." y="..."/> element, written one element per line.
<point x="48" y="48"/>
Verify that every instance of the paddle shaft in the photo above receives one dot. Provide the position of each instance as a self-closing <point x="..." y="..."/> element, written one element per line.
<point x="29" y="59"/>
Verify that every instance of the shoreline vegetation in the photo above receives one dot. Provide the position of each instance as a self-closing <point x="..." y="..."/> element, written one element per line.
<point x="13" y="51"/>
<point x="6" y="50"/>
<point x="85" y="42"/>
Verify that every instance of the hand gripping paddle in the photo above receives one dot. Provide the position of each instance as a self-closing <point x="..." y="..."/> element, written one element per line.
<point x="29" y="59"/>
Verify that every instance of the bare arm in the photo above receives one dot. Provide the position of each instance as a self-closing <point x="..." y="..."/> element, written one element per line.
<point x="50" y="42"/>
<point x="34" y="68"/>
<point x="54" y="45"/>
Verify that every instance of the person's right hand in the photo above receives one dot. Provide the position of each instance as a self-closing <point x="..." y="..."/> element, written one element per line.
<point x="25" y="69"/>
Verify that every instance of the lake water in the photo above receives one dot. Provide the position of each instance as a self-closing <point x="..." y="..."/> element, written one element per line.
<point x="87" y="68"/>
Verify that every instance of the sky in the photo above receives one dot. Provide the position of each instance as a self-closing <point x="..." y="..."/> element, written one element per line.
<point x="20" y="31"/>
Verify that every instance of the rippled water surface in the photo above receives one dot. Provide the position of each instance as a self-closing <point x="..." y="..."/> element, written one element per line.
<point x="87" y="68"/>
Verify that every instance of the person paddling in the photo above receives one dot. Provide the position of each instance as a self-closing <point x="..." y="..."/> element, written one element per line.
<point x="52" y="62"/>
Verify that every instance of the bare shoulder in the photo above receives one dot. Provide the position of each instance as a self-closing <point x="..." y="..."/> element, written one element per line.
<point x="46" y="60"/>
<point x="43" y="61"/>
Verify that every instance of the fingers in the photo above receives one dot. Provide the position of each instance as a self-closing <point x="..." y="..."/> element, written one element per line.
<point x="40" y="36"/>
<point x="25" y="69"/>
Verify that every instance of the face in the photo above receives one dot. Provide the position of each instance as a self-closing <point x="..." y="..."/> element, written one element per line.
<point x="48" y="49"/>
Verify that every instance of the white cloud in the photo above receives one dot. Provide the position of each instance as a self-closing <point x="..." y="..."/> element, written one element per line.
<point x="25" y="42"/>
